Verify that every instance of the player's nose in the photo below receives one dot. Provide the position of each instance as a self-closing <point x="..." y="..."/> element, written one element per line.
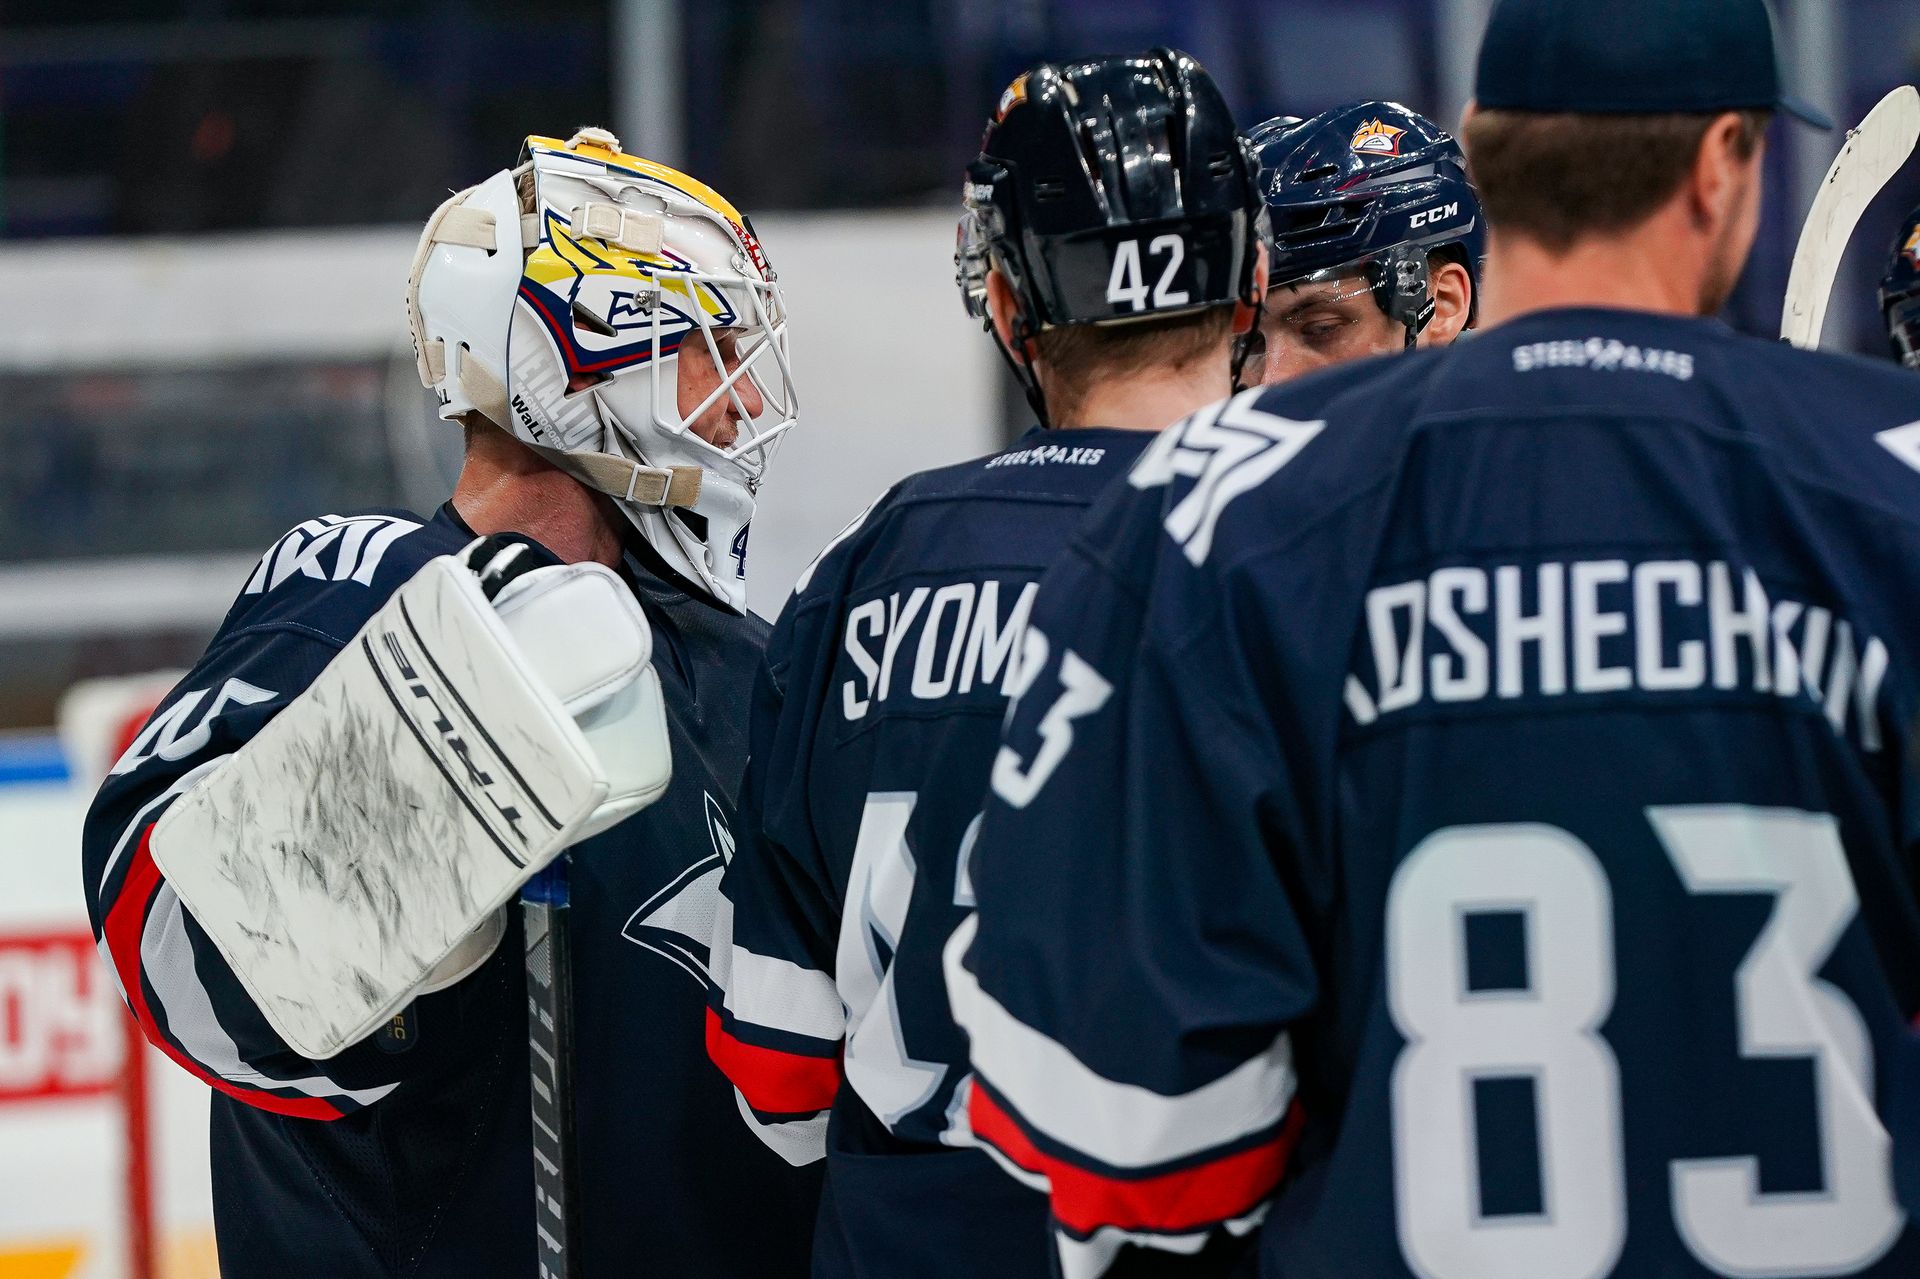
<point x="750" y="398"/>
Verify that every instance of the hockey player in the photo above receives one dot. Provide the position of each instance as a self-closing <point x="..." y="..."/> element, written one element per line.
<point x="1377" y="237"/>
<point x="1111" y="241"/>
<point x="1900" y="293"/>
<point x="610" y="337"/>
<point x="1462" y="809"/>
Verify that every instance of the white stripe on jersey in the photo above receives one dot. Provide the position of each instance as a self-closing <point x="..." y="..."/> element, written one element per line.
<point x="1092" y="1257"/>
<point x="1121" y="1125"/>
<point x="166" y="960"/>
<point x="763" y="991"/>
<point x="798" y="1141"/>
<point x="775" y="993"/>
<point x="186" y="781"/>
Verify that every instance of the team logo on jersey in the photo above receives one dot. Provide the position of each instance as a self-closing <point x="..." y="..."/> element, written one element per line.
<point x="1912" y="248"/>
<point x="676" y="922"/>
<point x="1377" y="137"/>
<point x="1228" y="451"/>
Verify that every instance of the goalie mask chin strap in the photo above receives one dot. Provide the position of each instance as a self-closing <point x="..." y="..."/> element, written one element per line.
<point x="616" y="476"/>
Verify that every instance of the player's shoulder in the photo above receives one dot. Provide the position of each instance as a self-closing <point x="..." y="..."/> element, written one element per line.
<point x="990" y="499"/>
<point x="1308" y="446"/>
<point x="329" y="574"/>
<point x="1060" y="465"/>
<point x="1846" y="421"/>
<point x="1847" y="387"/>
<point x="1357" y="390"/>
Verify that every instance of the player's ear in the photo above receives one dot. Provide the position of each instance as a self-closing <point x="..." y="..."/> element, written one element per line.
<point x="1452" y="291"/>
<point x="1715" y="187"/>
<point x="1003" y="311"/>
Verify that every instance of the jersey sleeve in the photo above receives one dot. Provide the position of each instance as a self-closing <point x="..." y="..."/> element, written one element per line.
<point x="1136" y="962"/>
<point x="776" y="1026"/>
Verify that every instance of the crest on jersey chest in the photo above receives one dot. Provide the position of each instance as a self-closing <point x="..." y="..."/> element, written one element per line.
<point x="676" y="921"/>
<point x="1912" y="248"/>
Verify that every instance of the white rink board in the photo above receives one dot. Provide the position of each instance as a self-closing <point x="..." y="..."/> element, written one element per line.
<point x="892" y="375"/>
<point x="62" y="1185"/>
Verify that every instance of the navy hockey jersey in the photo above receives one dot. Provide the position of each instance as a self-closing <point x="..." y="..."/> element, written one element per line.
<point x="875" y="717"/>
<point x="409" y="1154"/>
<point x="1466" y="815"/>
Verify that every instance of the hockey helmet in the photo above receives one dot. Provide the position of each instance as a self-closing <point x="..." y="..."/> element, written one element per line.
<point x="1373" y="187"/>
<point x="1900" y="293"/>
<point x="1110" y="191"/>
<point x="554" y="300"/>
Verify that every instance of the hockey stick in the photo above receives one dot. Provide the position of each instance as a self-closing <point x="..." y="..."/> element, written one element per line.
<point x="1871" y="155"/>
<point x="546" y="906"/>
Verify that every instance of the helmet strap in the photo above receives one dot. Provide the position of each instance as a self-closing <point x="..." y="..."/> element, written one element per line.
<point x="1248" y="348"/>
<point x="1023" y="369"/>
<point x="1404" y="289"/>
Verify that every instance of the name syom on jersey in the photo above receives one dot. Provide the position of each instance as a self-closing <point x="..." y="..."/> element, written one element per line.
<point x="1596" y="628"/>
<point x="931" y="643"/>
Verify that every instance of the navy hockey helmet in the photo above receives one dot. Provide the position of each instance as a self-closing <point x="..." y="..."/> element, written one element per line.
<point x="1110" y="191"/>
<point x="1374" y="186"/>
<point x="1900" y="293"/>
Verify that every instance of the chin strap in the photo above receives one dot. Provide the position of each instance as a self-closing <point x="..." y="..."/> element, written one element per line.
<point x="1402" y="284"/>
<point x="618" y="477"/>
<point x="1022" y="371"/>
<point x="1248" y="348"/>
<point x="626" y="480"/>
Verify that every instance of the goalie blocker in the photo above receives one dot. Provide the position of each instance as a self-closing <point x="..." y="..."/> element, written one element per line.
<point x="487" y="717"/>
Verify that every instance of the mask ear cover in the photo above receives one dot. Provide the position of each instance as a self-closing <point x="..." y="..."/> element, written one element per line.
<point x="460" y="292"/>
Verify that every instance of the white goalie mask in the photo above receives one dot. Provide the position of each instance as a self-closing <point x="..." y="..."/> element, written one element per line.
<point x="555" y="300"/>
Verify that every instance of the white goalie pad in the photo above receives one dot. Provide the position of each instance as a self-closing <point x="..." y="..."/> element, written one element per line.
<point x="358" y="851"/>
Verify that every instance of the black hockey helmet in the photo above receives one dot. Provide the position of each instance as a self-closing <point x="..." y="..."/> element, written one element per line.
<point x="1371" y="185"/>
<point x="1110" y="191"/>
<point x="1900" y="293"/>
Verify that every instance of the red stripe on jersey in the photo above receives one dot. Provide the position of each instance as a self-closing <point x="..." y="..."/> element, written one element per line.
<point x="126" y="920"/>
<point x="1191" y="1199"/>
<point x="773" y="1082"/>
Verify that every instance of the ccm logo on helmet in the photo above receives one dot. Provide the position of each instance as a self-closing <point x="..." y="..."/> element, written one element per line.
<point x="1439" y="212"/>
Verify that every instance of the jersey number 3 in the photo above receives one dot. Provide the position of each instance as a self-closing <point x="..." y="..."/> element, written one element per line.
<point x="1549" y="1034"/>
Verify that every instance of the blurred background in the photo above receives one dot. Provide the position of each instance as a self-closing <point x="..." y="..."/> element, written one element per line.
<point x="206" y="212"/>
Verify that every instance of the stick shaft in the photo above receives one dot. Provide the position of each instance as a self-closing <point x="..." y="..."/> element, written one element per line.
<point x="545" y="903"/>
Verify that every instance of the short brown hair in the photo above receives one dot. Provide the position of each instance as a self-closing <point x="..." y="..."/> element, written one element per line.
<point x="1557" y="177"/>
<point x="1077" y="356"/>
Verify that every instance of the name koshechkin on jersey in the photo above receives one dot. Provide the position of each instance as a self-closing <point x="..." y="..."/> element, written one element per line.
<point x="1493" y="764"/>
<point x="876" y="717"/>
<point x="411" y="1151"/>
